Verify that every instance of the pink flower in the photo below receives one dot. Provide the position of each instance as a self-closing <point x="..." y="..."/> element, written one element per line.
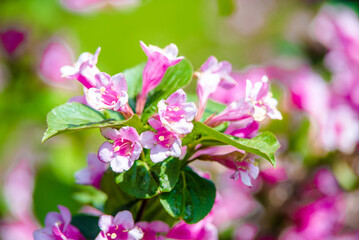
<point x="246" y="169"/>
<point x="246" y="128"/>
<point x="159" y="60"/>
<point x="162" y="143"/>
<point x="263" y="102"/>
<point x="203" y="230"/>
<point x="153" y="230"/>
<point x="57" y="226"/>
<point x="246" y="232"/>
<point x="84" y="69"/>
<point x="257" y="104"/>
<point x="119" y="227"/>
<point x="212" y="75"/>
<point x="93" y="173"/>
<point x="109" y="92"/>
<point x="175" y="114"/>
<point x="55" y="55"/>
<point x="229" y="156"/>
<point x="124" y="150"/>
<point x="11" y="40"/>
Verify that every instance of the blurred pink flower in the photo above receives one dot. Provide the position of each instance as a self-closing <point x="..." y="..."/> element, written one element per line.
<point x="84" y="69"/>
<point x="163" y="143"/>
<point x="121" y="226"/>
<point x="322" y="218"/>
<point x="57" y="226"/>
<point x="176" y="114"/>
<point x="11" y="40"/>
<point x="246" y="232"/>
<point x="18" y="190"/>
<point x="108" y="93"/>
<point x="93" y="173"/>
<point x="203" y="230"/>
<point x="125" y="149"/>
<point x="55" y="55"/>
<point x="159" y="60"/>
<point x="90" y="5"/>
<point x="155" y="230"/>
<point x="273" y="175"/>
<point x="212" y="75"/>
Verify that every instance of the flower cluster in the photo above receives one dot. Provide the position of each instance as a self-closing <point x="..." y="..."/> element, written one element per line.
<point x="151" y="132"/>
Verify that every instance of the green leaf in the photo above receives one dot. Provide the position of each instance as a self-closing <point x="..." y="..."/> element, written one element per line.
<point x="133" y="78"/>
<point x="87" y="224"/>
<point x="74" y="116"/>
<point x="176" y="77"/>
<point x="263" y="145"/>
<point x="145" y="181"/>
<point x="191" y="199"/>
<point x="117" y="200"/>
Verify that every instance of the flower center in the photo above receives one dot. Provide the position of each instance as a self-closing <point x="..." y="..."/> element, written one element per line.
<point x="109" y="96"/>
<point x="123" y="147"/>
<point x="164" y="137"/>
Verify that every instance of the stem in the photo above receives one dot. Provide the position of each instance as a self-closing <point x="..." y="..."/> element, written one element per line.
<point x="142" y="209"/>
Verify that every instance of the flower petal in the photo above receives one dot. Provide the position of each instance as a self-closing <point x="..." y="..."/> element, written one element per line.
<point x="105" y="152"/>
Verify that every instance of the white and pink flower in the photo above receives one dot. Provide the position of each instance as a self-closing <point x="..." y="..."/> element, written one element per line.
<point x="108" y="93"/>
<point x="57" y="226"/>
<point x="163" y="143"/>
<point x="123" y="151"/>
<point x="159" y="60"/>
<point x="84" y="69"/>
<point x="213" y="74"/>
<point x="176" y="114"/>
<point x="121" y="226"/>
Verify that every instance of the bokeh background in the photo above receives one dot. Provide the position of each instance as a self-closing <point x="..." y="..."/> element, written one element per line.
<point x="37" y="37"/>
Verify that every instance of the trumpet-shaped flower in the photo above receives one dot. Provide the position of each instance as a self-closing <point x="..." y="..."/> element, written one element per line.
<point x="213" y="74"/>
<point x="57" y="226"/>
<point x="262" y="100"/>
<point x="109" y="92"/>
<point x="176" y="114"/>
<point x="120" y="227"/>
<point x="159" y="60"/>
<point x="124" y="150"/>
<point x="162" y="143"/>
<point x="153" y="230"/>
<point x="84" y="69"/>
<point x="257" y="104"/>
<point x="229" y="156"/>
<point x="93" y="173"/>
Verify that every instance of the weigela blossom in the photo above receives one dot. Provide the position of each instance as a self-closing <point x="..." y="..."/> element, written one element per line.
<point x="93" y="173"/>
<point x="109" y="92"/>
<point x="124" y="150"/>
<point x="57" y="226"/>
<point x="155" y="230"/>
<point x="159" y="60"/>
<point x="203" y="230"/>
<point x="244" y="164"/>
<point x="176" y="114"/>
<point x="84" y="69"/>
<point x="262" y="100"/>
<point x="120" y="227"/>
<point x="257" y="104"/>
<point x="162" y="143"/>
<point x="213" y="74"/>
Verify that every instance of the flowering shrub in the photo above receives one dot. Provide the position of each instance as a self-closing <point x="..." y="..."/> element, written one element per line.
<point x="146" y="155"/>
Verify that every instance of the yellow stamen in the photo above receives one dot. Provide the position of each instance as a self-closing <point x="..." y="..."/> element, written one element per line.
<point x="161" y="138"/>
<point x="117" y="148"/>
<point x="113" y="236"/>
<point x="176" y="109"/>
<point x="102" y="90"/>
